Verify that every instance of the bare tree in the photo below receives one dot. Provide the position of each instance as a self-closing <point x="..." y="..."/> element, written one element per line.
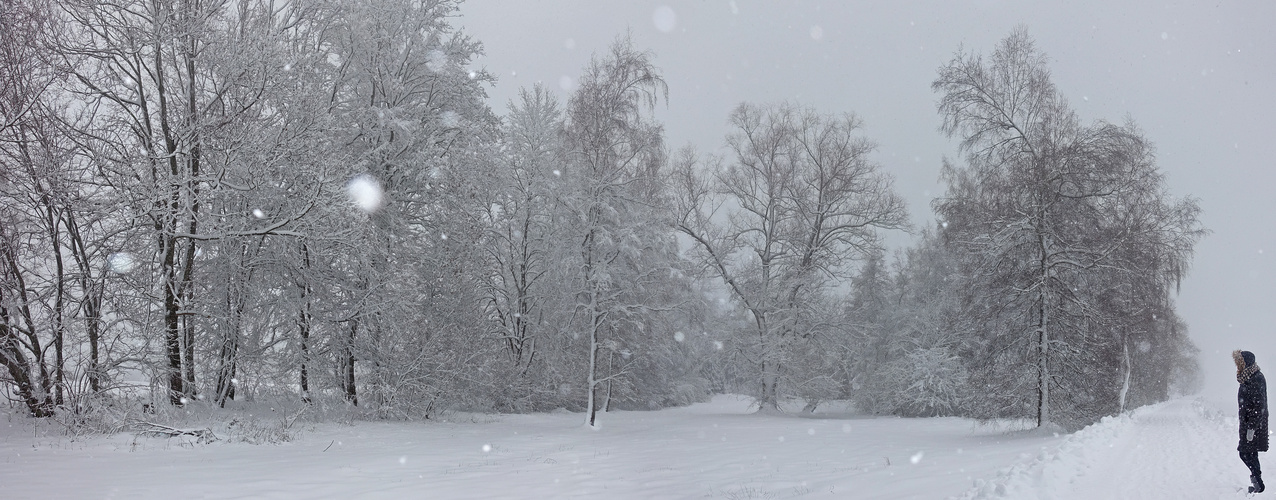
<point x="521" y="219"/>
<point x="37" y="195"/>
<point x="802" y="200"/>
<point x="149" y="70"/>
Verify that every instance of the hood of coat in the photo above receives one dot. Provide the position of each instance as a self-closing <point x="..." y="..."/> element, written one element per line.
<point x="1245" y="365"/>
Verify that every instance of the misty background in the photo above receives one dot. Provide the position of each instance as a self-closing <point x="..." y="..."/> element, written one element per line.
<point x="1198" y="77"/>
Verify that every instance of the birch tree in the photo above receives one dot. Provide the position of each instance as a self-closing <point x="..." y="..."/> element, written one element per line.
<point x="615" y="156"/>
<point x="1042" y="210"/>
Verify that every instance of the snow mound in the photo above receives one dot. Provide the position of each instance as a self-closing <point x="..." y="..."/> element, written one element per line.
<point x="1177" y="449"/>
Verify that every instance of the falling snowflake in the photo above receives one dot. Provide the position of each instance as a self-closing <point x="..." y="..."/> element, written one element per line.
<point x="664" y="18"/>
<point x="258" y="213"/>
<point x="678" y="336"/>
<point x="365" y="192"/>
<point x="915" y="458"/>
<point x="120" y="263"/>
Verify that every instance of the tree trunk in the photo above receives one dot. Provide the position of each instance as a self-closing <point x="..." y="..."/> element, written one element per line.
<point x="304" y="327"/>
<point x="59" y="302"/>
<point x="92" y="320"/>
<point x="173" y="346"/>
<point x="167" y="229"/>
<point x="228" y="358"/>
<point x="303" y="323"/>
<point x="591" y="383"/>
<point x="1125" y="367"/>
<point x="1043" y="345"/>
<point x="611" y="359"/>
<point x="92" y="300"/>
<point x="347" y="365"/>
<point x="12" y="358"/>
<point x="591" y="409"/>
<point x="769" y="402"/>
<point x="226" y="372"/>
<point x="188" y="351"/>
<point x="192" y="188"/>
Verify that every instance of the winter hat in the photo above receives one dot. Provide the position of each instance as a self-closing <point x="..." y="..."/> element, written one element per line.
<point x="1245" y="366"/>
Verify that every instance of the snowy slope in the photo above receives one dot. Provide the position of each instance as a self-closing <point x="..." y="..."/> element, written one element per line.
<point x="712" y="450"/>
<point x="1180" y="449"/>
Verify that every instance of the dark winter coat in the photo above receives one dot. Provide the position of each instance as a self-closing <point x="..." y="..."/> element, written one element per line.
<point x="1252" y="399"/>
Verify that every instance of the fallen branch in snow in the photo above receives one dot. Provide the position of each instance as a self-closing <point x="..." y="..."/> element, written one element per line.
<point x="144" y="428"/>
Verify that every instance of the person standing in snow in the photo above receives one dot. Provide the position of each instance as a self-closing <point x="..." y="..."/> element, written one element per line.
<point x="1252" y="398"/>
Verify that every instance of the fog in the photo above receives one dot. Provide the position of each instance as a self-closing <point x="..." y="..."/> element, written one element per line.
<point x="1198" y="78"/>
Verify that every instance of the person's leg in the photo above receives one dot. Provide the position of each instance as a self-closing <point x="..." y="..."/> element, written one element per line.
<point x="1255" y="469"/>
<point x="1251" y="460"/>
<point x="1258" y="474"/>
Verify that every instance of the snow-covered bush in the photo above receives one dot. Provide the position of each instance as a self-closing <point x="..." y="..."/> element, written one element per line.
<point x="926" y="382"/>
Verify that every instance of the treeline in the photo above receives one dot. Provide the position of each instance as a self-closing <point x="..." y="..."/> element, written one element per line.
<point x="214" y="200"/>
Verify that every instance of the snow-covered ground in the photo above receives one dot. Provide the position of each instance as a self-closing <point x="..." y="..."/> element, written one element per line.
<point x="1180" y="449"/>
<point x="1184" y="448"/>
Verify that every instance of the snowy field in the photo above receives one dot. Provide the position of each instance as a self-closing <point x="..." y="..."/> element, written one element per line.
<point x="1179" y="449"/>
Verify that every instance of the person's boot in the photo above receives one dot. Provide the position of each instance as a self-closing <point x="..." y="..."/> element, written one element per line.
<point x="1257" y="484"/>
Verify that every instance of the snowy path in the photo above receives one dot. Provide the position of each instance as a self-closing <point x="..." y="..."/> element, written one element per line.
<point x="1181" y="449"/>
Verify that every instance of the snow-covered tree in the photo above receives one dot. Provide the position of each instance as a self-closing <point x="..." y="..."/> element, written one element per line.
<point x="411" y="121"/>
<point x="613" y="197"/>
<point x="917" y="365"/>
<point x="1046" y="212"/>
<point x="781" y="222"/>
<point x="521" y="293"/>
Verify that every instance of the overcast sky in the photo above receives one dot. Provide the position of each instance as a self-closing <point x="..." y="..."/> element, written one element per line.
<point x="1199" y="77"/>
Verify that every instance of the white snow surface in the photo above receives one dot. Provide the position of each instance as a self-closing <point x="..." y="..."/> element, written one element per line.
<point x="720" y="449"/>
<point x="1183" y="448"/>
